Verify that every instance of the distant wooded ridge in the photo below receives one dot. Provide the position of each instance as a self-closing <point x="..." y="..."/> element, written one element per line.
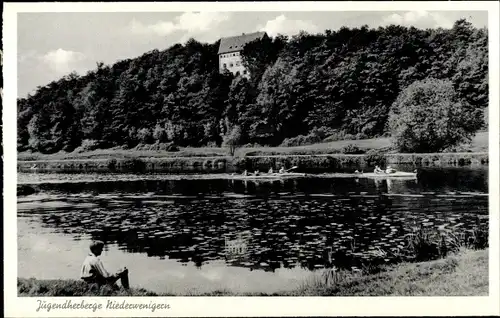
<point x="302" y="89"/>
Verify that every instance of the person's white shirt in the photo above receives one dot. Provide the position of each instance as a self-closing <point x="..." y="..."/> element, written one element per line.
<point x="93" y="264"/>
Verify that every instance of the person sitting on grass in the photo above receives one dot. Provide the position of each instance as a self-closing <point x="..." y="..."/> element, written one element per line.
<point x="93" y="270"/>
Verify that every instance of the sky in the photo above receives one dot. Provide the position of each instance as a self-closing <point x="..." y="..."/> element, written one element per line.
<point x="51" y="45"/>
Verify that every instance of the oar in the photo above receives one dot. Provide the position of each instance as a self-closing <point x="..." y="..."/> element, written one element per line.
<point x="294" y="167"/>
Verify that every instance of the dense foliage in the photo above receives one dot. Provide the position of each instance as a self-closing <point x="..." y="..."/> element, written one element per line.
<point x="337" y="83"/>
<point x="428" y="116"/>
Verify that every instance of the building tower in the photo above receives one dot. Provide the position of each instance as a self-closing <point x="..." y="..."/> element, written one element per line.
<point x="230" y="52"/>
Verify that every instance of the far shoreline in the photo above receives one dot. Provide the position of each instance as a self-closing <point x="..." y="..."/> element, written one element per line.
<point x="322" y="157"/>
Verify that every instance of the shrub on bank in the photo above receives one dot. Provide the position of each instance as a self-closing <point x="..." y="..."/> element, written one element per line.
<point x="316" y="135"/>
<point x="159" y="146"/>
<point x="88" y="145"/>
<point x="300" y="140"/>
<point x="112" y="165"/>
<point x="134" y="165"/>
<point x="375" y="158"/>
<point x="352" y="149"/>
<point x="429" y="116"/>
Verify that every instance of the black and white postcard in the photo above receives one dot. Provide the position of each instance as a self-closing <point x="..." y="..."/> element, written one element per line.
<point x="251" y="159"/>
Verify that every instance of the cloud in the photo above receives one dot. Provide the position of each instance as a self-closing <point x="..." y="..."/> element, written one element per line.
<point x="421" y="19"/>
<point x="194" y="23"/>
<point x="282" y="25"/>
<point x="26" y="56"/>
<point x="160" y="28"/>
<point x="63" y="61"/>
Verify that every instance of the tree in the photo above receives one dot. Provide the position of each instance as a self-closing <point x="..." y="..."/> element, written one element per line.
<point x="232" y="139"/>
<point x="428" y="116"/>
<point x="145" y="136"/>
<point x="159" y="134"/>
<point x="471" y="76"/>
<point x="277" y="104"/>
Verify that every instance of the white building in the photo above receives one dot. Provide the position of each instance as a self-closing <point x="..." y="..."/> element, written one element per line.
<point x="230" y="52"/>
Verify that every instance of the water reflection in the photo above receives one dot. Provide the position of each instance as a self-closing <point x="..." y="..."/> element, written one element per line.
<point x="258" y="226"/>
<point x="269" y="233"/>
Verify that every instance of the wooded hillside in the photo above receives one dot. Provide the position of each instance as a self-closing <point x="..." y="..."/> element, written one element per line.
<point x="333" y="84"/>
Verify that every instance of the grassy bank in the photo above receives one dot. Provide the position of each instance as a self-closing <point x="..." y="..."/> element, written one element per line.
<point x="478" y="144"/>
<point x="462" y="274"/>
<point x="305" y="163"/>
<point x="322" y="157"/>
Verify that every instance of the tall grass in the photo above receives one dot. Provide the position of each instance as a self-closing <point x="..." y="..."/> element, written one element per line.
<point x="425" y="244"/>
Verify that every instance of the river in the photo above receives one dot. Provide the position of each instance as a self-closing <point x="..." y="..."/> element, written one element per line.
<point x="182" y="236"/>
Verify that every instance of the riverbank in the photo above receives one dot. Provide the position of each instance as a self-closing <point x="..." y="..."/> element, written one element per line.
<point x="462" y="274"/>
<point x="321" y="157"/>
<point x="304" y="163"/>
<point x="479" y="144"/>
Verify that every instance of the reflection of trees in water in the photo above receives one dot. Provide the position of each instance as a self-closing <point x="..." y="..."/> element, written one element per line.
<point x="263" y="234"/>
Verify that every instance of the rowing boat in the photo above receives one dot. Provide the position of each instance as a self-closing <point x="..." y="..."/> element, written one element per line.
<point x="371" y="175"/>
<point x="269" y="176"/>
<point x="397" y="174"/>
<point x="383" y="175"/>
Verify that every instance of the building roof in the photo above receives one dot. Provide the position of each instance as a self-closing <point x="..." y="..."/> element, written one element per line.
<point x="236" y="43"/>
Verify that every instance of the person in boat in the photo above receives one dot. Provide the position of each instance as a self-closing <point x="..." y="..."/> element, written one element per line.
<point x="390" y="170"/>
<point x="282" y="170"/>
<point x="245" y="173"/>
<point x="93" y="270"/>
<point x="256" y="173"/>
<point x="271" y="171"/>
<point x="378" y="170"/>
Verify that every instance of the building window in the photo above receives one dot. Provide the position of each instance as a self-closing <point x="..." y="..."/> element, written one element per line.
<point x="230" y="64"/>
<point x="238" y="73"/>
<point x="225" y="65"/>
<point x="244" y="71"/>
